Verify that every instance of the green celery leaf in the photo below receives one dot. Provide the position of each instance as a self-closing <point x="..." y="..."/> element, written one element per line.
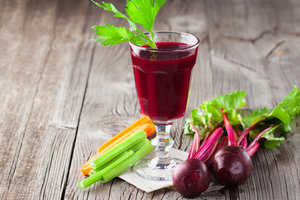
<point x="143" y="12"/>
<point x="157" y="5"/>
<point x="110" y="7"/>
<point x="136" y="39"/>
<point x="111" y="35"/>
<point x="139" y="11"/>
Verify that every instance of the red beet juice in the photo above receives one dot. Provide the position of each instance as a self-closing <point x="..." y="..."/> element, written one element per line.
<point x="162" y="79"/>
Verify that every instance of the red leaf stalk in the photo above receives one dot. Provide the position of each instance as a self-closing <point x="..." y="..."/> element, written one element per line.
<point x="244" y="142"/>
<point x="195" y="144"/>
<point x="206" y="149"/>
<point x="251" y="151"/>
<point x="213" y="130"/>
<point x="229" y="129"/>
<point x="245" y="132"/>
<point x="220" y="145"/>
<point x="259" y="135"/>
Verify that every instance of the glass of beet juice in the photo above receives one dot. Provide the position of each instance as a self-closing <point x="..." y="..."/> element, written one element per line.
<point x="162" y="78"/>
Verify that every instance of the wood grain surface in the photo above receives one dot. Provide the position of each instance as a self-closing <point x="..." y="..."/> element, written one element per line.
<point x="62" y="95"/>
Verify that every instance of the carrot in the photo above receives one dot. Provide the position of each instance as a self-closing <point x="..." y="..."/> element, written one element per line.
<point x="142" y="124"/>
<point x="86" y="168"/>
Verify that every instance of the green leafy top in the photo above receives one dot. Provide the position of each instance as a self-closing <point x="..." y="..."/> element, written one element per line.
<point x="285" y="111"/>
<point x="283" y="114"/>
<point x="254" y="117"/>
<point x="280" y="117"/>
<point x="230" y="102"/>
<point x="141" y="12"/>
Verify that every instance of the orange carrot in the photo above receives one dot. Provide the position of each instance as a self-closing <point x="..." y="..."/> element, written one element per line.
<point x="136" y="126"/>
<point x="142" y="124"/>
<point x="86" y="168"/>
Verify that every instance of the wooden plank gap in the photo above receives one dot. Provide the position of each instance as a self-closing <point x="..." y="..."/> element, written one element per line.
<point x="110" y="187"/>
<point x="240" y="66"/>
<point x="77" y="128"/>
<point x="63" y="126"/>
<point x="242" y="39"/>
<point x="269" y="172"/>
<point x="278" y="44"/>
<point x="46" y="176"/>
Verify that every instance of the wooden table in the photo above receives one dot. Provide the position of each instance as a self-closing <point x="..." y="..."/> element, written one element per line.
<point x="62" y="95"/>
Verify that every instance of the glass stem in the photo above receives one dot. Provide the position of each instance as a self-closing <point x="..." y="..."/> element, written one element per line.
<point x="163" y="143"/>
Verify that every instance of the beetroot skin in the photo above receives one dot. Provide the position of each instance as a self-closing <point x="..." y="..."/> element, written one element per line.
<point x="231" y="165"/>
<point x="191" y="177"/>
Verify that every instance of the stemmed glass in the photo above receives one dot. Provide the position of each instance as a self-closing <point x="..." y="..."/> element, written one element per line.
<point x="162" y="78"/>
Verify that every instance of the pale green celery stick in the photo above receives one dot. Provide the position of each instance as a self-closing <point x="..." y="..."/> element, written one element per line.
<point x="92" y="172"/>
<point x="135" y="148"/>
<point x="99" y="162"/>
<point x="98" y="176"/>
<point x="90" y="180"/>
<point x="145" y="150"/>
<point x="139" y="145"/>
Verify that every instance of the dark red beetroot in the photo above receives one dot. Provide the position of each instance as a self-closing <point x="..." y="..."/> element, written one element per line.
<point x="191" y="177"/>
<point x="231" y="165"/>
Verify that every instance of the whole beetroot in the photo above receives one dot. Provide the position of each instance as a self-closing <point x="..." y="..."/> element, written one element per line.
<point x="231" y="165"/>
<point x="191" y="177"/>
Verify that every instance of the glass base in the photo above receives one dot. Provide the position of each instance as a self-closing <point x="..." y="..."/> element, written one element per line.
<point x="157" y="168"/>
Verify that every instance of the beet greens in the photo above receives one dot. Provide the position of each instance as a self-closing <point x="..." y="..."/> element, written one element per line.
<point x="267" y="127"/>
<point x="224" y="138"/>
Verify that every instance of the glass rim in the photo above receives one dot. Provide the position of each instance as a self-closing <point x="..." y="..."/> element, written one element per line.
<point x="173" y="50"/>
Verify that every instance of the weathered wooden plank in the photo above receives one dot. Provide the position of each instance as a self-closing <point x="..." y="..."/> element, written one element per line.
<point x="20" y="75"/>
<point x="55" y="80"/>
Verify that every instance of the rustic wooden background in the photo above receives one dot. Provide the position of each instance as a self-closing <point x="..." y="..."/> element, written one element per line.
<point x="62" y="96"/>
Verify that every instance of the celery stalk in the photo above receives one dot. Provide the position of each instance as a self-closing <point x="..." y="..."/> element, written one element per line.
<point x="92" y="172"/>
<point x="98" y="176"/>
<point x="145" y="150"/>
<point x="135" y="148"/>
<point x="139" y="145"/>
<point x="115" y="151"/>
<point x="90" y="180"/>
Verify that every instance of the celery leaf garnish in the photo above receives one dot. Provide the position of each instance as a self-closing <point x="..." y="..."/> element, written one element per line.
<point x="141" y="12"/>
